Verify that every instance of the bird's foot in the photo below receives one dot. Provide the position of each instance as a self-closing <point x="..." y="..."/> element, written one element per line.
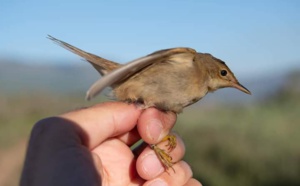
<point x="164" y="156"/>
<point x="171" y="141"/>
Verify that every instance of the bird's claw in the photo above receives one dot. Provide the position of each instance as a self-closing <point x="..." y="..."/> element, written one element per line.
<point x="164" y="157"/>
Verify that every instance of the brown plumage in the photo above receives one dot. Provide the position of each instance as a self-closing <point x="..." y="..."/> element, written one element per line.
<point x="169" y="80"/>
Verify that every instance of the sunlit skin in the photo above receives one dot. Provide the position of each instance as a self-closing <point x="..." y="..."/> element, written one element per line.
<point x="112" y="128"/>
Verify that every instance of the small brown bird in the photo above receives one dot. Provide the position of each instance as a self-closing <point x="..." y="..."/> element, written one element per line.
<point x="168" y="80"/>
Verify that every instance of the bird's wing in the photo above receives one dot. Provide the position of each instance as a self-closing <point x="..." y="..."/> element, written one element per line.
<point x="178" y="55"/>
<point x="103" y="66"/>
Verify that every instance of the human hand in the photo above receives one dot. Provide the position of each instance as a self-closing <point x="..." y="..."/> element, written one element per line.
<point x="109" y="129"/>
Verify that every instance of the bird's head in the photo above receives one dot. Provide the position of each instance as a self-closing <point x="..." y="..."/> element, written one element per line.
<point x="219" y="75"/>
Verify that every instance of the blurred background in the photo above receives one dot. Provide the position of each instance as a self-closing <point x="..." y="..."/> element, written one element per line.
<point x="231" y="138"/>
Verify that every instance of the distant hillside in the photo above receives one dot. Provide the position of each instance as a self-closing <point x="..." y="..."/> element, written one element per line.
<point x="16" y="78"/>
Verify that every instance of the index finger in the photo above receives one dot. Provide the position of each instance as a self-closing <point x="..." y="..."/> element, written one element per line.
<point x="104" y="120"/>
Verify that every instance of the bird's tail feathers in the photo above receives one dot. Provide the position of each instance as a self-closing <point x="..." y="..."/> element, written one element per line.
<point x="103" y="66"/>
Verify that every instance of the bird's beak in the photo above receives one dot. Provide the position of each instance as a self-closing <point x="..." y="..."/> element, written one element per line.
<point x="240" y="87"/>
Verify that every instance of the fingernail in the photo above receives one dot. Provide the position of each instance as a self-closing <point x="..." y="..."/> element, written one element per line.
<point x="158" y="182"/>
<point x="151" y="165"/>
<point x="154" y="129"/>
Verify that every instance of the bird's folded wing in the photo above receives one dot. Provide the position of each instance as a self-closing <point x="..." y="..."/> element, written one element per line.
<point x="178" y="55"/>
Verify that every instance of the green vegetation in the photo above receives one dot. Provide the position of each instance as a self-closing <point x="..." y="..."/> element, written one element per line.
<point x="250" y="145"/>
<point x="253" y="144"/>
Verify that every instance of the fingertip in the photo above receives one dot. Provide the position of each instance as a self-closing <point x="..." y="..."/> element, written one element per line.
<point x="182" y="175"/>
<point x="148" y="165"/>
<point x="153" y="124"/>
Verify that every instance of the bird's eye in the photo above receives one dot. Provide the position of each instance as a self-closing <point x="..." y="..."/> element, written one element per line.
<point x="223" y="72"/>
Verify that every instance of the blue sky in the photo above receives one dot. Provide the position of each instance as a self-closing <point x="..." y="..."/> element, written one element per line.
<point x="251" y="37"/>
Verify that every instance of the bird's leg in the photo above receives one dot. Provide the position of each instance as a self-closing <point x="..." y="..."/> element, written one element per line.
<point x="164" y="156"/>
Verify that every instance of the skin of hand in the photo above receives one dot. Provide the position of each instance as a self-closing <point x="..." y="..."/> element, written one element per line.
<point x="111" y="129"/>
